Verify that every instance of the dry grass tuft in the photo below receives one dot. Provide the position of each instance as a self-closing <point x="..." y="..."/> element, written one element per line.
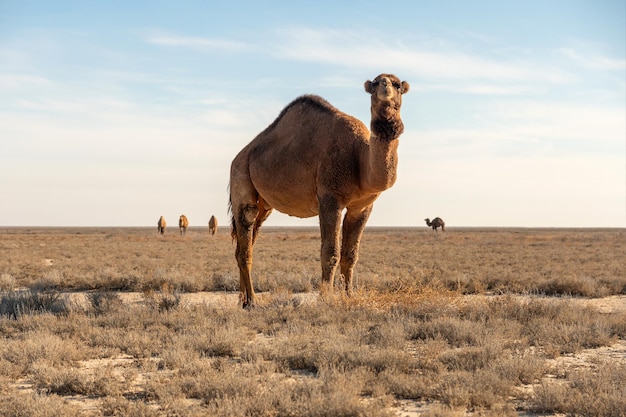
<point x="459" y="322"/>
<point x="14" y="303"/>
<point x="598" y="392"/>
<point x="103" y="302"/>
<point x="407" y="297"/>
<point x="166" y="299"/>
<point x="73" y="381"/>
<point x="36" y="404"/>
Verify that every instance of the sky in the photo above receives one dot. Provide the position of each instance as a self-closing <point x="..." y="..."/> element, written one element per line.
<point x="113" y="113"/>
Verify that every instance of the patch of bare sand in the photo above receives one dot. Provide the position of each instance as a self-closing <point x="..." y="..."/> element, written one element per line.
<point x="587" y="358"/>
<point x="125" y="368"/>
<point x="209" y="298"/>
<point x="214" y="299"/>
<point x="606" y="305"/>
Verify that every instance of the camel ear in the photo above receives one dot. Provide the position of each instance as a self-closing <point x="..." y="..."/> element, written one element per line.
<point x="405" y="87"/>
<point x="368" y="86"/>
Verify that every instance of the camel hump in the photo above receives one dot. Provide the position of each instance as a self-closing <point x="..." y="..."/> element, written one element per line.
<point x="314" y="101"/>
<point x="309" y="101"/>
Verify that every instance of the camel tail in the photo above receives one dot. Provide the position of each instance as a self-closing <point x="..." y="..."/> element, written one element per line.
<point x="233" y="226"/>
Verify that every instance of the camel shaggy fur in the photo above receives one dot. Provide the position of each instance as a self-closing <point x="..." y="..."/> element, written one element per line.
<point x="316" y="160"/>
<point x="161" y="225"/>
<point x="213" y="225"/>
<point x="437" y="222"/>
<point x="183" y="223"/>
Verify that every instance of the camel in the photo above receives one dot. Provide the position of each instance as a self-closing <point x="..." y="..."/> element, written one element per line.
<point x="437" y="222"/>
<point x="315" y="160"/>
<point x="161" y="225"/>
<point x="213" y="225"/>
<point x="183" y="223"/>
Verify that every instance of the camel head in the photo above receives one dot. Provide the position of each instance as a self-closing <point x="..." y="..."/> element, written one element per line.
<point x="387" y="89"/>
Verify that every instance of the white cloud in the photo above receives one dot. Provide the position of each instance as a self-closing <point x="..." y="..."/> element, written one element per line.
<point x="593" y="61"/>
<point x="481" y="190"/>
<point x="195" y="42"/>
<point x="346" y="48"/>
<point x="513" y="129"/>
<point x="503" y="89"/>
<point x="565" y="121"/>
<point x="16" y="81"/>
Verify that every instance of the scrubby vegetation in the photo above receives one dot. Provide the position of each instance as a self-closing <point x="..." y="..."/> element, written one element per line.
<point x="576" y="262"/>
<point x="455" y="323"/>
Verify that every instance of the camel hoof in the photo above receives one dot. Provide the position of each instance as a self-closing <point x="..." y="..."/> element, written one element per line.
<point x="249" y="304"/>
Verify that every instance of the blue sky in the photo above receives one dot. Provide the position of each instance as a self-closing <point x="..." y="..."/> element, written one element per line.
<point x="114" y="113"/>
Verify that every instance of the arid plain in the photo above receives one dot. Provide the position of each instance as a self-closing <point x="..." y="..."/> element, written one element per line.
<point x="470" y="322"/>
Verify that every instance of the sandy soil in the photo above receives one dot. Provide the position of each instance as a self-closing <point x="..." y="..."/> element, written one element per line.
<point x="584" y="359"/>
<point x="606" y="305"/>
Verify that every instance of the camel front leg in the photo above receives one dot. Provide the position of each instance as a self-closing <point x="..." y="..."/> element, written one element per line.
<point x="353" y="225"/>
<point x="330" y="216"/>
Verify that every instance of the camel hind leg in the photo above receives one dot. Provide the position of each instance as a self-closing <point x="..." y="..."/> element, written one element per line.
<point x="263" y="214"/>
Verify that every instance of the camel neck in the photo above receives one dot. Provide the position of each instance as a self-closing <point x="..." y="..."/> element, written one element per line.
<point x="387" y="130"/>
<point x="381" y="163"/>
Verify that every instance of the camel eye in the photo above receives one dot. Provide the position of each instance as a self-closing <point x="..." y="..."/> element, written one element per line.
<point x="397" y="85"/>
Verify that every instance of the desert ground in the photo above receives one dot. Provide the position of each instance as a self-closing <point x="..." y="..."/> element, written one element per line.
<point x="467" y="322"/>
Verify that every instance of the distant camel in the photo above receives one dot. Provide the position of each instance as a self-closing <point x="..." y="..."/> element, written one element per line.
<point x="316" y="160"/>
<point x="183" y="223"/>
<point x="437" y="222"/>
<point x="161" y="225"/>
<point x="213" y="225"/>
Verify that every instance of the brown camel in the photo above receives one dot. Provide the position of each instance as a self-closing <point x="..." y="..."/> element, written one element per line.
<point x="183" y="223"/>
<point x="316" y="160"/>
<point x="213" y="225"/>
<point x="437" y="222"/>
<point x="161" y="225"/>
